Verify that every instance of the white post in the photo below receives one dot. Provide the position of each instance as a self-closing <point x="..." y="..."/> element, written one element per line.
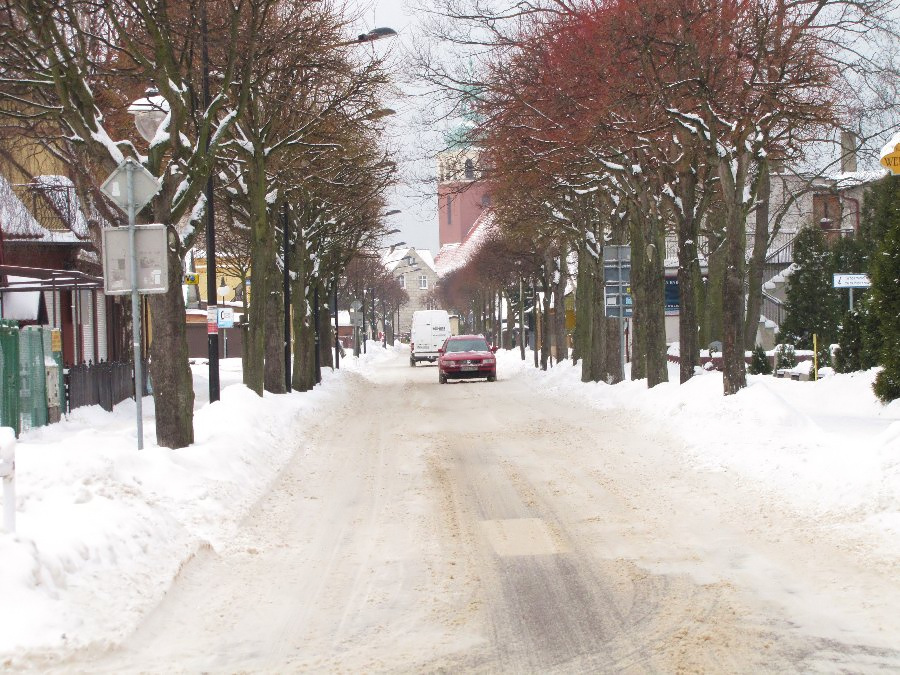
<point x="135" y="303"/>
<point x="8" y="472"/>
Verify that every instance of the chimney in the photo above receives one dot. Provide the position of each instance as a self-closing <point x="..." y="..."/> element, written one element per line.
<point x="848" y="152"/>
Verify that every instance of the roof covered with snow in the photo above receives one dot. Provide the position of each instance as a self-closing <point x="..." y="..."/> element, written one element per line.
<point x="453" y="256"/>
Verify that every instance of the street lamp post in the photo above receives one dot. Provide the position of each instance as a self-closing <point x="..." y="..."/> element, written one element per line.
<point x="212" y="330"/>
<point x="149" y="114"/>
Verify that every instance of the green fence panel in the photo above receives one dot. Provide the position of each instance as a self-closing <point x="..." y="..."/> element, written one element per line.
<point x="32" y="378"/>
<point x="9" y="375"/>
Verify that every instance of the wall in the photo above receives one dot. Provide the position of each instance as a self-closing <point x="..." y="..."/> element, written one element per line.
<point x="465" y="207"/>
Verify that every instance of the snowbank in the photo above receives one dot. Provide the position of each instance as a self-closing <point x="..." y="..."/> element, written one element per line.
<point x="101" y="524"/>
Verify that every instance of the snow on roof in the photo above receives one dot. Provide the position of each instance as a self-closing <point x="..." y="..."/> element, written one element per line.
<point x="427" y="258"/>
<point x="392" y="259"/>
<point x="16" y="220"/>
<point x="852" y="179"/>
<point x="54" y="192"/>
<point x="61" y="193"/>
<point x="451" y="257"/>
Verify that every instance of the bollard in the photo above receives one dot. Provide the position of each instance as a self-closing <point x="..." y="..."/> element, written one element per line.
<point x="8" y="473"/>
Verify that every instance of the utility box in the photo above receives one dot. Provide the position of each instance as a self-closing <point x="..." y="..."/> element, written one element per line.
<point x="53" y="398"/>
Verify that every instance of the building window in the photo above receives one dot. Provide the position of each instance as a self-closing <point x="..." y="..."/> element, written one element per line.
<point x="423" y="283"/>
<point x="449" y="209"/>
<point x="402" y="280"/>
<point x="469" y="169"/>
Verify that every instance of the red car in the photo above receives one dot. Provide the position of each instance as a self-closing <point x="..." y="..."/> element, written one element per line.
<point x="463" y="357"/>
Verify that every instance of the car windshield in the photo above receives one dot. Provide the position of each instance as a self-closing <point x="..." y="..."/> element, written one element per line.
<point x="473" y="345"/>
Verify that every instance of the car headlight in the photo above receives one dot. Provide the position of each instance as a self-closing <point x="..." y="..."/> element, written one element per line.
<point x="489" y="362"/>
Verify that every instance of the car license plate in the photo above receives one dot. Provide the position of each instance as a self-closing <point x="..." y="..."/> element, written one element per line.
<point x="469" y="368"/>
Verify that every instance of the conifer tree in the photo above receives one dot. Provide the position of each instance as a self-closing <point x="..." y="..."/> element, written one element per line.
<point x="885" y="276"/>
<point x="812" y="304"/>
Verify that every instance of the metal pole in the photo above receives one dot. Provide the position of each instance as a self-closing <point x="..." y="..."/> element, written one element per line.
<point x="135" y="304"/>
<point x="364" y="331"/>
<point x="851" y="299"/>
<point x="383" y="325"/>
<point x="212" y="337"/>
<point x="286" y="292"/>
<point x="337" y="340"/>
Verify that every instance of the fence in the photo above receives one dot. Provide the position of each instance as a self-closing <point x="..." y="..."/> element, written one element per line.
<point x="103" y="384"/>
<point x="34" y="389"/>
<point x="26" y="368"/>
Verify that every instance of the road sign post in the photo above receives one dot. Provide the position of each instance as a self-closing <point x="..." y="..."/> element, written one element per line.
<point x="131" y="187"/>
<point x="851" y="281"/>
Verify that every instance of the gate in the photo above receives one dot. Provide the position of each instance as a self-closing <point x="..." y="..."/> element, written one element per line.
<point x="32" y="378"/>
<point x="9" y="374"/>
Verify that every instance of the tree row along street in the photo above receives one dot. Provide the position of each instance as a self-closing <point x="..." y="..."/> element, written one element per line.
<point x="487" y="528"/>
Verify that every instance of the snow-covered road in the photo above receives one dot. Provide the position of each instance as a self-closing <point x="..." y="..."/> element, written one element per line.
<point x="492" y="528"/>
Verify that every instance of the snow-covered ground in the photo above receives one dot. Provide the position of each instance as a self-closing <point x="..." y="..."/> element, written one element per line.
<point x="103" y="529"/>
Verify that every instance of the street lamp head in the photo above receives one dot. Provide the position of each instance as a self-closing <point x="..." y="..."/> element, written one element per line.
<point x="149" y="113"/>
<point x="392" y="212"/>
<point x="376" y="34"/>
<point x="378" y="114"/>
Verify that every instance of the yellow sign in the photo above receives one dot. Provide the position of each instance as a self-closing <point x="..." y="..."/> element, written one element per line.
<point x="192" y="279"/>
<point x="891" y="161"/>
<point x="55" y="340"/>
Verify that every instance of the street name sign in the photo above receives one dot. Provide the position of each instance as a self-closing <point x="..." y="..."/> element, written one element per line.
<point x="852" y="281"/>
<point x="225" y="317"/>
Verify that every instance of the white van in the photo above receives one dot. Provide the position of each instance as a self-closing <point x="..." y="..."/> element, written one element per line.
<point x="430" y="327"/>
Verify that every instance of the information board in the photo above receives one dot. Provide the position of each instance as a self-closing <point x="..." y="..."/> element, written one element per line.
<point x="152" y="260"/>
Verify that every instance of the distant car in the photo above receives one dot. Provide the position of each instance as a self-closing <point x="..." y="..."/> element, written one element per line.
<point x="466" y="356"/>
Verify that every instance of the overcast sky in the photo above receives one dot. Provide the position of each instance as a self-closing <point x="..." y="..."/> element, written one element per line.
<point x="415" y="197"/>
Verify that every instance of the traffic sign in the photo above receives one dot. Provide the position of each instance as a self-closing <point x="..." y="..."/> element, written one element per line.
<point x="145" y="187"/>
<point x="191" y="279"/>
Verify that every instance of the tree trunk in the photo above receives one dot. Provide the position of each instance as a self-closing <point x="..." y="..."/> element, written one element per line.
<point x="584" y="311"/>
<point x="274" y="363"/>
<point x="655" y="316"/>
<point x="639" y="293"/>
<point x="757" y="258"/>
<point x="546" y="330"/>
<point x="173" y="387"/>
<point x="521" y="318"/>
<point x="689" y="280"/>
<point x="262" y="257"/>
<point x="713" y="290"/>
<point x="559" y="300"/>
<point x="510" y="322"/>
<point x="303" y="372"/>
<point x="733" y="367"/>
<point x="326" y="330"/>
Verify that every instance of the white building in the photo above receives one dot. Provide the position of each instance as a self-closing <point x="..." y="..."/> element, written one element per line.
<point x="415" y="270"/>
